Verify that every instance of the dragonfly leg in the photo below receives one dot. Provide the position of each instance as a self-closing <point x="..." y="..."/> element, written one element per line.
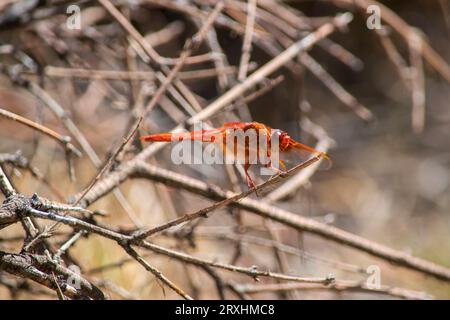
<point x="283" y="165"/>
<point x="248" y="179"/>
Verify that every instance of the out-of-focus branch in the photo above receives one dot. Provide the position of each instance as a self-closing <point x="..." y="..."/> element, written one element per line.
<point x="63" y="140"/>
<point x="337" y="286"/>
<point x="343" y="95"/>
<point x="60" y="72"/>
<point x="155" y="56"/>
<point x="273" y="65"/>
<point x="247" y="43"/>
<point x="405" y="30"/>
<point x="189" y="47"/>
<point x="417" y="83"/>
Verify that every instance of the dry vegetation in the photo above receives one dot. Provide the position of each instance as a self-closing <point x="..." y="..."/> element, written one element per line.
<point x="89" y="211"/>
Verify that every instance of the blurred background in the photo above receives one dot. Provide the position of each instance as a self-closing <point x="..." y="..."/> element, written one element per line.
<point x="389" y="182"/>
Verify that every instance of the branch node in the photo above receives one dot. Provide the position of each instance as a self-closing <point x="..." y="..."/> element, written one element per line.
<point x="35" y="201"/>
<point x="330" y="279"/>
<point x="254" y="273"/>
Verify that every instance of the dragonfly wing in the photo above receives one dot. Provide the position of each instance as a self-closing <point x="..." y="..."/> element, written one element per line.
<point x="246" y="146"/>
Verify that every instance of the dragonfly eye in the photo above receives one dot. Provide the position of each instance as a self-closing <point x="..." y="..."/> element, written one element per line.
<point x="278" y="134"/>
<point x="283" y="139"/>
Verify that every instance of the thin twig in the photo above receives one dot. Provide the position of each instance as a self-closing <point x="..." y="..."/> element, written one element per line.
<point x="252" y="271"/>
<point x="204" y="212"/>
<point x="417" y="83"/>
<point x="247" y="43"/>
<point x="63" y="140"/>
<point x="343" y="95"/>
<point x="280" y="246"/>
<point x="110" y="161"/>
<point x="156" y="273"/>
<point x="338" y="286"/>
<point x="60" y="72"/>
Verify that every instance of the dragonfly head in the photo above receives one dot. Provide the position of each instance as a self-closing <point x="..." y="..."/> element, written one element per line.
<point x="284" y="139"/>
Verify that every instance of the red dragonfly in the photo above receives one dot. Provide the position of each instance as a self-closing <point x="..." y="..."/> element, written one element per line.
<point x="242" y="149"/>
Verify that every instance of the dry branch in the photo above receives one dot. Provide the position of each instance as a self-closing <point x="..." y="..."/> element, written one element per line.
<point x="36" y="268"/>
<point x="26" y="208"/>
<point x="295" y="221"/>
